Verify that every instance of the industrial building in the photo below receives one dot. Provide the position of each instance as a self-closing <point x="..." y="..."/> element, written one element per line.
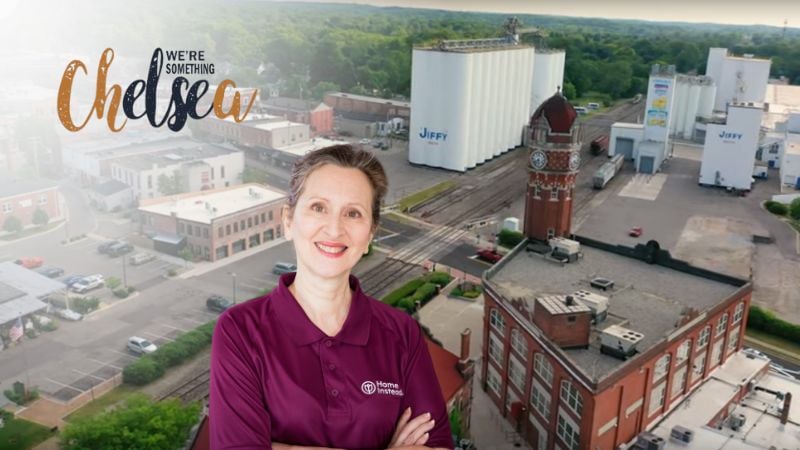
<point x="548" y="75"/>
<point x="694" y="99"/>
<point x="471" y="101"/>
<point x="790" y="164"/>
<point x="739" y="79"/>
<point x="729" y="152"/>
<point x="214" y="224"/>
<point x="317" y="115"/>
<point x="589" y="345"/>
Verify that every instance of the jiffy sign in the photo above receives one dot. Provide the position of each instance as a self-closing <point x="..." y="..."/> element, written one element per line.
<point x="727" y="136"/>
<point x="433" y="135"/>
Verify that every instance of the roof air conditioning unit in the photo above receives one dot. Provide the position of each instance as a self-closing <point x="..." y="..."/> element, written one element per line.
<point x="681" y="434"/>
<point x="650" y="441"/>
<point x="565" y="249"/>
<point x="736" y="421"/>
<point x="596" y="302"/>
<point x="602" y="283"/>
<point x="619" y="342"/>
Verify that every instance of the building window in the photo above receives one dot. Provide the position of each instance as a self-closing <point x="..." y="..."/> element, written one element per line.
<point x="716" y="352"/>
<point x="733" y="338"/>
<point x="249" y="222"/>
<point x="228" y="230"/>
<point x="554" y="193"/>
<point x="683" y="351"/>
<point x="540" y="399"/>
<point x="657" y="398"/>
<point x="235" y="227"/>
<point x="568" y="431"/>
<point x="241" y="225"/>
<point x="497" y="321"/>
<point x="181" y="228"/>
<point x="220" y="232"/>
<point x="661" y="368"/>
<point x="256" y="221"/>
<point x="43" y="199"/>
<point x="278" y="231"/>
<point x="205" y="233"/>
<point x="496" y="349"/>
<point x="493" y="380"/>
<point x="222" y="171"/>
<point x="270" y="216"/>
<point x="698" y="366"/>
<point x="149" y="182"/>
<point x="537" y="191"/>
<point x="516" y="373"/>
<point x="722" y="324"/>
<point x="212" y="172"/>
<point x="738" y="313"/>
<point x="702" y="340"/>
<point x="511" y="398"/>
<point x="572" y="397"/>
<point x="7" y="208"/>
<point x="679" y="381"/>
<point x="543" y="368"/>
<point x="188" y="230"/>
<point x="197" y="231"/>
<point x="519" y="343"/>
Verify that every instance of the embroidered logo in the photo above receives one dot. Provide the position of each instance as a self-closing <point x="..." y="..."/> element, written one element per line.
<point x="381" y="387"/>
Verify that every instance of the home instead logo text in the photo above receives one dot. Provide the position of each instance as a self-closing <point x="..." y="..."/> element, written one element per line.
<point x="183" y="100"/>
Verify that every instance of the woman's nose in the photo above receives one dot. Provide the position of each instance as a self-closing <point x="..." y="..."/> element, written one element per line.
<point x="334" y="225"/>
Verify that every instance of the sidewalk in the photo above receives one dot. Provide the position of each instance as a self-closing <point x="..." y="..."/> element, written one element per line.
<point x="761" y="345"/>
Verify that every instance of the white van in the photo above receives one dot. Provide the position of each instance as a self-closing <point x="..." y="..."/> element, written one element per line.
<point x="581" y="110"/>
<point x="141" y="258"/>
<point x="593" y="106"/>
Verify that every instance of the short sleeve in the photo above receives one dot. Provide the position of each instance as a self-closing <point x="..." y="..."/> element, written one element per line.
<point x="422" y="392"/>
<point x="238" y="417"/>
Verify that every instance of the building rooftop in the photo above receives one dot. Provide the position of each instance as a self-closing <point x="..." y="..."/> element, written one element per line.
<point x="206" y="206"/>
<point x="637" y="126"/>
<point x="474" y="46"/>
<point x="269" y="126"/>
<point x="110" y="187"/>
<point x="445" y="364"/>
<point x="762" y="428"/>
<point x="21" y="289"/>
<point x="646" y="298"/>
<point x="178" y="153"/>
<point x="11" y="185"/>
<point x="309" y="146"/>
<point x="364" y="98"/>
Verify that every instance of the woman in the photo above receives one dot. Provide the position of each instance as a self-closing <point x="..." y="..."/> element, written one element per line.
<point x="316" y="362"/>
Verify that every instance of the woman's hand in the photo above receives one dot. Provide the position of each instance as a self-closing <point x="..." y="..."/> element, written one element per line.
<point x="411" y="432"/>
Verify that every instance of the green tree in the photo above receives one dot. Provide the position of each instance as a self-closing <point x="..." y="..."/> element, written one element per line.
<point x="318" y="92"/>
<point x="140" y="424"/>
<point x="253" y="175"/>
<point x="40" y="217"/>
<point x="170" y="184"/>
<point x="186" y="253"/>
<point x="794" y="209"/>
<point x="12" y="224"/>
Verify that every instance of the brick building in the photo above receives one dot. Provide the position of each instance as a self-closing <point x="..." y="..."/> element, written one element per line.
<point x="21" y="197"/>
<point x="217" y="223"/>
<point x="588" y="344"/>
<point x="317" y="115"/>
<point x="366" y="108"/>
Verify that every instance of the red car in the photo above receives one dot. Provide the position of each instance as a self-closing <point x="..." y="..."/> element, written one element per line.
<point x="489" y="255"/>
<point x="31" y="262"/>
<point x="635" y="232"/>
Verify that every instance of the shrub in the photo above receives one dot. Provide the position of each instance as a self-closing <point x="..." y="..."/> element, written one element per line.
<point x="52" y="325"/>
<point x="40" y="217"/>
<point x="766" y="321"/>
<point x="142" y="371"/>
<point x="403" y="291"/>
<point x="407" y="305"/>
<point x="113" y="282"/>
<point x="794" y="209"/>
<point x="425" y="292"/>
<point x="17" y="394"/>
<point x="12" y="224"/>
<point x="509" y="238"/>
<point x="457" y="292"/>
<point x="776" y="208"/>
<point x="439" y="278"/>
<point x="131" y="289"/>
<point x="121" y="292"/>
<point x="84" y="305"/>
<point x="171" y="272"/>
<point x="472" y="294"/>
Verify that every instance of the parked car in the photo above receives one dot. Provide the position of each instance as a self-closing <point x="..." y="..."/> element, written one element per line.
<point x="489" y="255"/>
<point x="30" y="262"/>
<point x="384" y="146"/>
<point x="364" y="141"/>
<point x="88" y="283"/>
<point x="218" y="303"/>
<point x="141" y="258"/>
<point x="68" y="314"/>
<point x="103" y="248"/>
<point x="140" y="345"/>
<point x="635" y="232"/>
<point x="377" y="144"/>
<point x="593" y="106"/>
<point x="51" y="272"/>
<point x="118" y="249"/>
<point x="283" y="267"/>
<point x="72" y="279"/>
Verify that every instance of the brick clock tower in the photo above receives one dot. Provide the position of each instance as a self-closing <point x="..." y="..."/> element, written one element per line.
<point x="554" y="150"/>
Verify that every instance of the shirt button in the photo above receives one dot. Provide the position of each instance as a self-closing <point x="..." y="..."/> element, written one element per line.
<point x="334" y="392"/>
<point x="328" y="343"/>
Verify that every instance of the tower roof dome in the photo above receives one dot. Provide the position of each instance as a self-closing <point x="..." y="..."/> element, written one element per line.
<point x="559" y="113"/>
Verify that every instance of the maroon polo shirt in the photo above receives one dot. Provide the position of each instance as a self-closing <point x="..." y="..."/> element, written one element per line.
<point x="275" y="377"/>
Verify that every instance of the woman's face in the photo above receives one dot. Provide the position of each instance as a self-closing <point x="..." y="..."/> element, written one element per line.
<point x="332" y="222"/>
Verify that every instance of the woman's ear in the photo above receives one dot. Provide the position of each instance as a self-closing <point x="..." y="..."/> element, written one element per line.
<point x="286" y="219"/>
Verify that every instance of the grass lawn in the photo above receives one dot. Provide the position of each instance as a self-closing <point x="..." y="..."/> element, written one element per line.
<point x="19" y="434"/>
<point x="421" y="196"/>
<point x="789" y="346"/>
<point x="100" y="404"/>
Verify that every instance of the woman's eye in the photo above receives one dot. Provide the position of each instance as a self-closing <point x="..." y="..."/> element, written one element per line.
<point x="354" y="214"/>
<point x="316" y="207"/>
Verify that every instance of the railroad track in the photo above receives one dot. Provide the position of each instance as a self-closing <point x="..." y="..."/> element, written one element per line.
<point x="192" y="390"/>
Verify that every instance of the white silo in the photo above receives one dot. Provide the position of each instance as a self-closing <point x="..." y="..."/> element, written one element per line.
<point x="691" y="109"/>
<point x="548" y="76"/>
<point x="470" y="101"/>
<point x="679" y="104"/>
<point x="707" y="94"/>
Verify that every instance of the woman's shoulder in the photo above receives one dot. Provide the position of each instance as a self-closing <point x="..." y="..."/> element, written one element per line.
<point x="392" y="319"/>
<point x="252" y="311"/>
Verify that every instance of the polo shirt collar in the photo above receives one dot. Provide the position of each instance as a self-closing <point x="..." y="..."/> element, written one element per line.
<point x="302" y="331"/>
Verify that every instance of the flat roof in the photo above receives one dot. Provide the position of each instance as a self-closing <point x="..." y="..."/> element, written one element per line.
<point x="21" y="289"/>
<point x="762" y="428"/>
<point x="175" y="154"/>
<point x="11" y="184"/>
<point x="364" y="98"/>
<point x="557" y="304"/>
<point x="309" y="146"/>
<point x="269" y="126"/>
<point x="637" y="126"/>
<point x="647" y="298"/>
<point x="206" y="206"/>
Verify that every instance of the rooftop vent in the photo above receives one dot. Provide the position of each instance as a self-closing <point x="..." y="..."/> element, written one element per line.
<point x="596" y="302"/>
<point x="565" y="249"/>
<point x="619" y="342"/>
<point x="602" y="283"/>
<point x="569" y="300"/>
<point x="681" y="434"/>
<point x="649" y="441"/>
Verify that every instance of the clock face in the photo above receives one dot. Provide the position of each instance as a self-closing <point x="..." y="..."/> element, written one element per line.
<point x="538" y="159"/>
<point x="574" y="161"/>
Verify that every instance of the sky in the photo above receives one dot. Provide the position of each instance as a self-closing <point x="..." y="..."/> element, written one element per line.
<point x="739" y="12"/>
